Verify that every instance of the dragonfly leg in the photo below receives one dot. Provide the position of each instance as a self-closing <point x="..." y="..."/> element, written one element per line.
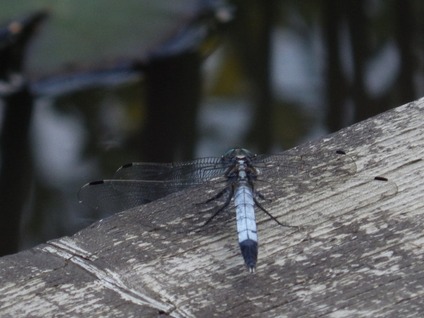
<point x="216" y="196"/>
<point x="226" y="203"/>
<point x="271" y="216"/>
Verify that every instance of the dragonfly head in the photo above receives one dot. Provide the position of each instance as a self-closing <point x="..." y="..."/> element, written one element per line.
<point x="238" y="153"/>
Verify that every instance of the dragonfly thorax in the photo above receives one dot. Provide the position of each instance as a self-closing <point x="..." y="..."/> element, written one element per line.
<point x="241" y="172"/>
<point x="242" y="175"/>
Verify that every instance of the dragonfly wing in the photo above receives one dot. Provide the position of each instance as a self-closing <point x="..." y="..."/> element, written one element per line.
<point x="300" y="172"/>
<point x="195" y="171"/>
<point x="344" y="201"/>
<point x="139" y="183"/>
<point x="290" y="177"/>
<point x="191" y="208"/>
<point x="117" y="195"/>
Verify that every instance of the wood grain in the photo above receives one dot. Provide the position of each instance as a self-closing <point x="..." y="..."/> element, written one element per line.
<point x="360" y="252"/>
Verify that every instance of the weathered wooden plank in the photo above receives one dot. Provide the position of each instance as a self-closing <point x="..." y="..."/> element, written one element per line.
<point x="360" y="255"/>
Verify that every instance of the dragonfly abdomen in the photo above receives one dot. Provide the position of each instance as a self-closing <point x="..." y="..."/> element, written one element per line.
<point x="246" y="225"/>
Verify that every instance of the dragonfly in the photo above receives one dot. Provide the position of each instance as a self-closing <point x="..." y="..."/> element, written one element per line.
<point x="239" y="179"/>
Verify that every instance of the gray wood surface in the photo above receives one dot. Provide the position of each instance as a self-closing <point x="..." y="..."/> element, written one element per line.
<point x="360" y="254"/>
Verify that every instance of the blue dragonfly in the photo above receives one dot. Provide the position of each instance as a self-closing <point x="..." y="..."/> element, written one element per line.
<point x="239" y="178"/>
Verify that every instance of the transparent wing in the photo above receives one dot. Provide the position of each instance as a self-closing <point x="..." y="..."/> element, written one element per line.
<point x="139" y="183"/>
<point x="341" y="201"/>
<point x="284" y="174"/>
<point x="191" y="209"/>
<point x="280" y="177"/>
<point x="195" y="171"/>
<point x="290" y="177"/>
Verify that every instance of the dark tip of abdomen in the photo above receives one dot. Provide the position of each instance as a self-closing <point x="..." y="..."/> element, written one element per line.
<point x="249" y="250"/>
